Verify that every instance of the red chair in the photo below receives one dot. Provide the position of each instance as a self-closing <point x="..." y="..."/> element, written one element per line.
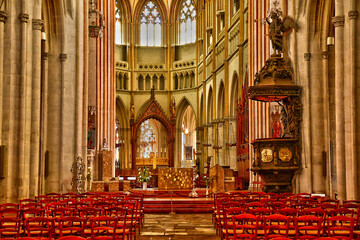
<point x="308" y="227"/>
<point x="31" y="205"/>
<point x="277" y="205"/>
<point x="70" y="226"/>
<point x="89" y="212"/>
<point x="281" y="238"/>
<point x="276" y="226"/>
<point x="10" y="205"/>
<point x="62" y="212"/>
<point x="72" y="238"/>
<point x="326" y="238"/>
<point x="103" y="228"/>
<point x="245" y="226"/>
<point x="317" y="212"/>
<point x="29" y="238"/>
<point x="39" y="227"/>
<point x="352" y="201"/>
<point x="227" y="226"/>
<point x="10" y="227"/>
<point x="10" y="213"/>
<point x="25" y="201"/>
<point x="340" y="227"/>
<point x="332" y="201"/>
<point x="254" y="205"/>
<point x="32" y="212"/>
<point x="290" y="212"/>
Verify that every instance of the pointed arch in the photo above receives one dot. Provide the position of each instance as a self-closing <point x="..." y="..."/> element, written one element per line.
<point x="209" y="110"/>
<point x="184" y="109"/>
<point x="234" y="94"/>
<point x="181" y="107"/>
<point x="175" y="8"/>
<point x="137" y="18"/>
<point x="151" y="109"/>
<point x="122" y="21"/>
<point x="221" y="100"/>
<point x="201" y="110"/>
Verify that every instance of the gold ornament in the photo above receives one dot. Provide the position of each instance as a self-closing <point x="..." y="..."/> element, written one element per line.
<point x="285" y="154"/>
<point x="266" y="155"/>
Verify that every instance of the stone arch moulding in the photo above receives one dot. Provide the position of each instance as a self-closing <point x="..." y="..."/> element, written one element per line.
<point x="152" y="109"/>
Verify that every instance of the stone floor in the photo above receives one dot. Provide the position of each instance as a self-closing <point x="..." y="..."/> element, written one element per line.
<point x="178" y="226"/>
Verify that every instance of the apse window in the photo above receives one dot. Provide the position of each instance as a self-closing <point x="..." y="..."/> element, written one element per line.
<point x="187" y="21"/>
<point x="150" y="26"/>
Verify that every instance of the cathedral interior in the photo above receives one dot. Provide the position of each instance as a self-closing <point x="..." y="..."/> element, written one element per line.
<point x="266" y="93"/>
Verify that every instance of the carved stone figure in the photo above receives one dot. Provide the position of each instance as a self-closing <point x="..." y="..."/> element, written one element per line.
<point x="172" y="110"/>
<point x="277" y="28"/>
<point x="132" y="111"/>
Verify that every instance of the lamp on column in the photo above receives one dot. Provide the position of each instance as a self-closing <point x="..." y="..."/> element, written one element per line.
<point x="96" y="19"/>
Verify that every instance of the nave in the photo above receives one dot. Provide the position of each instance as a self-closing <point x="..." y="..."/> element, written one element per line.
<point x="234" y="215"/>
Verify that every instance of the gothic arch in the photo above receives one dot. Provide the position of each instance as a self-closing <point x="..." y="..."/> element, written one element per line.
<point x="181" y="109"/>
<point x="209" y="110"/>
<point x="152" y="109"/>
<point x="175" y="7"/>
<point x="140" y="5"/>
<point x="221" y="100"/>
<point x="201" y="108"/>
<point x="234" y="94"/>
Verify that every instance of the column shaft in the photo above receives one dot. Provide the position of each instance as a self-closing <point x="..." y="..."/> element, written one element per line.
<point x="339" y="106"/>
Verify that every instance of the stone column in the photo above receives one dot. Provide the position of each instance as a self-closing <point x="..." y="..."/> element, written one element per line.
<point x="350" y="116"/>
<point x="63" y="58"/>
<point x="24" y="166"/>
<point x="37" y="25"/>
<point x="339" y="102"/>
<point x="3" y="17"/>
<point x="44" y="111"/>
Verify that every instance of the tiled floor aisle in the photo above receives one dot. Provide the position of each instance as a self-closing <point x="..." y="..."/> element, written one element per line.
<point x="178" y="226"/>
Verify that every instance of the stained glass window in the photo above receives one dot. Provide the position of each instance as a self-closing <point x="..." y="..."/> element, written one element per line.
<point x="150" y="25"/>
<point x="187" y="22"/>
<point x="147" y="139"/>
<point x="119" y="36"/>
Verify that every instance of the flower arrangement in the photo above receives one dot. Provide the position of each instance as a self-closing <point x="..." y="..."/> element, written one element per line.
<point x="144" y="175"/>
<point x="207" y="180"/>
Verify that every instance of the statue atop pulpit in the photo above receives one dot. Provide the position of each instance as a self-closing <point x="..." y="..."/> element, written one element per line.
<point x="278" y="27"/>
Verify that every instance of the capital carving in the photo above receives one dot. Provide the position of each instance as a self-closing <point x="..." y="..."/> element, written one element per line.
<point x="3" y="16"/>
<point x="45" y="56"/>
<point x="325" y="54"/>
<point x="307" y="56"/>
<point x="24" y="17"/>
<point x="338" y="21"/>
<point x="63" y="56"/>
<point x="37" y="24"/>
<point x="353" y="14"/>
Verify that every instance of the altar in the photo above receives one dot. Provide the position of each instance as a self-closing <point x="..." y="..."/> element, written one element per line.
<point x="175" y="178"/>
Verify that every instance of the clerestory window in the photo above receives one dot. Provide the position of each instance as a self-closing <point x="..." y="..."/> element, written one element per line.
<point x="187" y="19"/>
<point x="150" y="25"/>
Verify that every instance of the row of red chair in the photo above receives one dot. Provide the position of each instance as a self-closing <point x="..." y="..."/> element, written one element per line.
<point x="117" y="227"/>
<point x="263" y="205"/>
<point x="88" y="207"/>
<point x="240" y="226"/>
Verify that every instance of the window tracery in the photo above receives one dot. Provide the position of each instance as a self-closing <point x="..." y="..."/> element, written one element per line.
<point x="150" y="25"/>
<point x="147" y="139"/>
<point x="187" y="19"/>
